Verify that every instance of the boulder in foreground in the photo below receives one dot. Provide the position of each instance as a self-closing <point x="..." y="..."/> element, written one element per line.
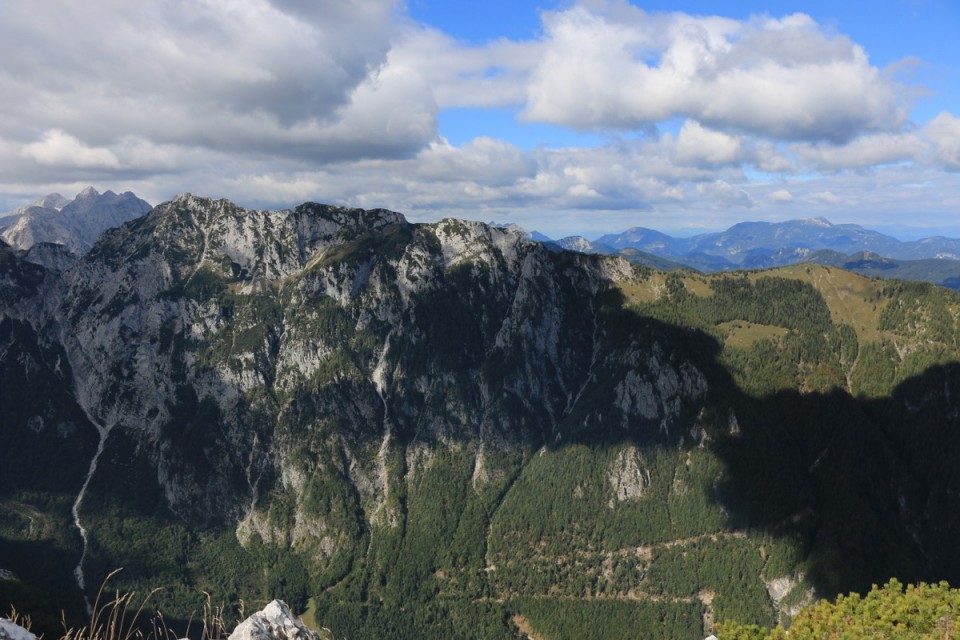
<point x="274" y="622"/>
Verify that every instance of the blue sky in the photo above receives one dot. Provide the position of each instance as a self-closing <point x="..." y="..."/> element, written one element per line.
<point x="566" y="117"/>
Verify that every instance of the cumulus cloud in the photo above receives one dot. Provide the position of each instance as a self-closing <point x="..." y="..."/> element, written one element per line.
<point x="824" y="197"/>
<point x="59" y="148"/>
<point x="697" y="144"/>
<point x="483" y="160"/>
<point x="612" y="66"/>
<point x="557" y="191"/>
<point x="726" y="194"/>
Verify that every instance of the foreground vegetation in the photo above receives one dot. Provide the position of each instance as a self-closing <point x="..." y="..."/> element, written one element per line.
<point x="127" y="616"/>
<point x="892" y="612"/>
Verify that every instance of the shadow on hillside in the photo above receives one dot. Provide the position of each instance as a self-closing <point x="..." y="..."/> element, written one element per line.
<point x="44" y="589"/>
<point x="869" y="486"/>
<point x="868" y="489"/>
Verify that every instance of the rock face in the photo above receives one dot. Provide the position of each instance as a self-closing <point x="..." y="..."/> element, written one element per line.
<point x="627" y="476"/>
<point x="274" y="622"/>
<point x="55" y="257"/>
<point x="379" y="334"/>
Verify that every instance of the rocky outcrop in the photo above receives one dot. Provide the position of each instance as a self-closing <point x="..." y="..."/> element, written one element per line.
<point x="628" y="476"/>
<point x="274" y="622"/>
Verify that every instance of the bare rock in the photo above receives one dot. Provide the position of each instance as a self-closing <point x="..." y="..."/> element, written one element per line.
<point x="12" y="631"/>
<point x="274" y="622"/>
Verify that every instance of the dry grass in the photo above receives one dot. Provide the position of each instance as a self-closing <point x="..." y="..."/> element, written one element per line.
<point x="852" y="299"/>
<point x="648" y="289"/>
<point x="120" y="617"/>
<point x="309" y="620"/>
<point x="19" y="619"/>
<point x="698" y="285"/>
<point x="743" y="334"/>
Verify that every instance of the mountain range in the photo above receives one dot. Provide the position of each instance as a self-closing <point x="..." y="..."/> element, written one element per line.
<point x="761" y="245"/>
<point x="445" y="429"/>
<point x="76" y="224"/>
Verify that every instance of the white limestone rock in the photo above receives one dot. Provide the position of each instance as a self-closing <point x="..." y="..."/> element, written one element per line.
<point x="628" y="476"/>
<point x="11" y="631"/>
<point x="274" y="622"/>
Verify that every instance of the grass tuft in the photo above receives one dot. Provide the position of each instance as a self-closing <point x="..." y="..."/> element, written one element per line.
<point x="120" y="617"/>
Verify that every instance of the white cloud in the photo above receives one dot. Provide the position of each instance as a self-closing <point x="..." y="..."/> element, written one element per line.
<point x="491" y="75"/>
<point x="558" y="191"/>
<point x="613" y="67"/>
<point x="865" y="151"/>
<point x="244" y="75"/>
<point x="697" y="144"/>
<point x="59" y="148"/>
<point x="769" y="157"/>
<point x="725" y="194"/>
<point x="781" y="196"/>
<point x="484" y="160"/>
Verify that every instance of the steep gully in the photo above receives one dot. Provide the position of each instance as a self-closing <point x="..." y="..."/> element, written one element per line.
<point x="103" y="431"/>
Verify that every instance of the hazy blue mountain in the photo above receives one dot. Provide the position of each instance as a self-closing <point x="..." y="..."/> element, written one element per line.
<point x="752" y="245"/>
<point x="75" y="224"/>
<point x="945" y="273"/>
<point x="580" y="244"/>
<point x="647" y="240"/>
<point x="53" y="201"/>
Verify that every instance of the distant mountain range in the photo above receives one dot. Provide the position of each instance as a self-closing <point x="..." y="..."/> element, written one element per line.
<point x="760" y="245"/>
<point x="945" y="273"/>
<point x="76" y="224"/>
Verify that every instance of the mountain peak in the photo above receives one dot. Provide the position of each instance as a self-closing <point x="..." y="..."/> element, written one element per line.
<point x="51" y="201"/>
<point x="819" y="221"/>
<point x="89" y="192"/>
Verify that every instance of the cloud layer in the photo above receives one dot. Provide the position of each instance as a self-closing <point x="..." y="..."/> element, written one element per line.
<point x="707" y="120"/>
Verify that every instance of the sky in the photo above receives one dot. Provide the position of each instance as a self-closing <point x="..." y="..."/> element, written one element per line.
<point x="567" y="117"/>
